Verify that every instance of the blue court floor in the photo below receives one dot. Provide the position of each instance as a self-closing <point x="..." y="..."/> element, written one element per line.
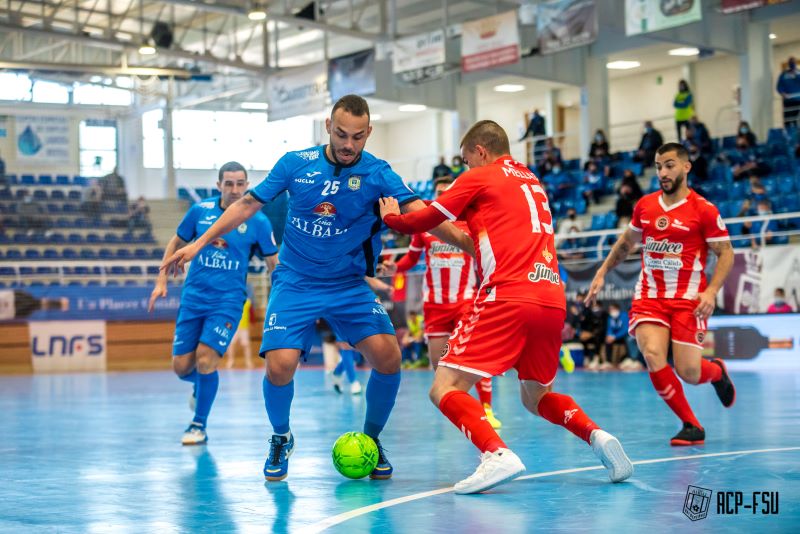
<point x="102" y="453"/>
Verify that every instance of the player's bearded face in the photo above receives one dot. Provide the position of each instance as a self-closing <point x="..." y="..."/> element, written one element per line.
<point x="348" y="135"/>
<point x="669" y="185"/>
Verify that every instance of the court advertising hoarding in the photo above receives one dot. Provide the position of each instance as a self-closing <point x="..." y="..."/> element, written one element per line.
<point x="565" y="24"/>
<point x="490" y="42"/>
<point x="644" y="16"/>
<point x="63" y="346"/>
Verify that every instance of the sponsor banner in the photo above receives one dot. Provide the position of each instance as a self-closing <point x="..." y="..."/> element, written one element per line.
<point x="42" y="139"/>
<point x="750" y="342"/>
<point x="298" y="91"/>
<point x="87" y="302"/>
<point x="490" y="42"/>
<point x="644" y="16"/>
<point x="734" y="6"/>
<point x="353" y="74"/>
<point x="420" y="57"/>
<point x="63" y="346"/>
<point x="619" y="285"/>
<point x="564" y="24"/>
<point x="748" y="290"/>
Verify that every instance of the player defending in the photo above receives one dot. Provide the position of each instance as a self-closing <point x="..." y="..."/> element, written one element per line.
<point x="332" y="241"/>
<point x="672" y="301"/>
<point x="449" y="288"/>
<point x="520" y="301"/>
<point x="214" y="291"/>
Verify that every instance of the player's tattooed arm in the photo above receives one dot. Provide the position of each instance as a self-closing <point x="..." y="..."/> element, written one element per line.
<point x="724" y="253"/>
<point x="619" y="252"/>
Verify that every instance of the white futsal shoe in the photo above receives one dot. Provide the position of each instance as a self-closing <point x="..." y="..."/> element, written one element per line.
<point x="355" y="388"/>
<point x="613" y="457"/>
<point x="194" y="435"/>
<point x="496" y="468"/>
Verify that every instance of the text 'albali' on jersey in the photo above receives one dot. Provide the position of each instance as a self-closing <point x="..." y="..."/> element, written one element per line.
<point x="218" y="274"/>
<point x="509" y="218"/>
<point x="675" y="245"/>
<point x="333" y="225"/>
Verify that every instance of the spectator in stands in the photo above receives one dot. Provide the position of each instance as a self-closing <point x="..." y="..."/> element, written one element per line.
<point x="616" y="335"/>
<point x="592" y="335"/>
<point x="756" y="229"/>
<point x="92" y="200"/>
<point x="748" y="162"/>
<point x="599" y="148"/>
<point x="32" y="216"/>
<point x="3" y="181"/>
<point x="698" y="174"/>
<point x="568" y="226"/>
<point x="628" y="194"/>
<point x="697" y="133"/>
<point x="745" y="132"/>
<point x="113" y="187"/>
<point x="441" y="170"/>
<point x="684" y="107"/>
<point x="550" y="160"/>
<point x="592" y="183"/>
<point x="789" y="88"/>
<point x="137" y="214"/>
<point x="651" y="140"/>
<point x="537" y="128"/>
<point x="457" y="166"/>
<point x="779" y="305"/>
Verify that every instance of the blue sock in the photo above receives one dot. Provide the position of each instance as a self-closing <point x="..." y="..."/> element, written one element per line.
<point x="191" y="378"/>
<point x="339" y="367"/>
<point x="381" y="393"/>
<point x="207" y="386"/>
<point x="349" y="365"/>
<point x="278" y="401"/>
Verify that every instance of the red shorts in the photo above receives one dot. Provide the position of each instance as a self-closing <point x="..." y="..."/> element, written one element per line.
<point x="442" y="319"/>
<point x="496" y="336"/>
<point x="676" y="314"/>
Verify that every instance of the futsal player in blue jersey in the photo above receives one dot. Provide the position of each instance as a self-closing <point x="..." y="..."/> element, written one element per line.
<point x="332" y="241"/>
<point x="214" y="291"/>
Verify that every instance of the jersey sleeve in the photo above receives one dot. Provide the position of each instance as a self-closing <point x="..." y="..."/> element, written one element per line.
<point x="276" y="182"/>
<point x="187" y="229"/>
<point x="459" y="195"/>
<point x="415" y="249"/>
<point x="636" y="218"/>
<point x="714" y="228"/>
<point x="393" y="186"/>
<point x="266" y="238"/>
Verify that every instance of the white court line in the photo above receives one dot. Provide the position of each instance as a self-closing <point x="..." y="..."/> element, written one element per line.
<point x="346" y="516"/>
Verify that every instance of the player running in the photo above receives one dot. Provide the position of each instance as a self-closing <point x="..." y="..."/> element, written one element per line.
<point x="672" y="300"/>
<point x="449" y="288"/>
<point x="520" y="301"/>
<point x="332" y="241"/>
<point x="214" y="291"/>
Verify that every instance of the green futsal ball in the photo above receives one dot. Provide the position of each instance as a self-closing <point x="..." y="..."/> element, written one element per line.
<point x="355" y="455"/>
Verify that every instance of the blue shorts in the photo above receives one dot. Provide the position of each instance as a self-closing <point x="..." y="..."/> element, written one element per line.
<point x="296" y="302"/>
<point x="209" y="326"/>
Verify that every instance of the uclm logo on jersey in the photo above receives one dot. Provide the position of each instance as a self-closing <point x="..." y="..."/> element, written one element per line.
<point x="325" y="209"/>
<point x="58" y="345"/>
<point x="219" y="243"/>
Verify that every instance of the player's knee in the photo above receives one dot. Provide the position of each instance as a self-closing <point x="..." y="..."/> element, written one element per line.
<point x="182" y="365"/>
<point x="207" y="360"/>
<point x="655" y="358"/>
<point x="279" y="373"/>
<point x="689" y="373"/>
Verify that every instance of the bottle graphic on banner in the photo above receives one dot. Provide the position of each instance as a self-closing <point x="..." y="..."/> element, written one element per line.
<point x="740" y="343"/>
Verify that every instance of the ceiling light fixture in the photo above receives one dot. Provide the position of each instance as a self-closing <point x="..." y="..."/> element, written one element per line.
<point x="509" y="88"/>
<point x="262" y="106"/>
<point x="623" y="65"/>
<point x="685" y="51"/>
<point x="773" y="36"/>
<point x="413" y="108"/>
<point x="147" y="49"/>
<point x="375" y="117"/>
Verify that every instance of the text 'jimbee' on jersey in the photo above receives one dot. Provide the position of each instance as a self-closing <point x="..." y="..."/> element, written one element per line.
<point x="218" y="274"/>
<point x="333" y="225"/>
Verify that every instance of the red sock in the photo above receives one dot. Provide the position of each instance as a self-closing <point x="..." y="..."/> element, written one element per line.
<point x="709" y="372"/>
<point x="467" y="414"/>
<point x="564" y="411"/>
<point x="484" y="388"/>
<point x="669" y="388"/>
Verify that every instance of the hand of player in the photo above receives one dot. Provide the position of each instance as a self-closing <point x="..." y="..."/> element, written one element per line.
<point x="387" y="268"/>
<point x="610" y="339"/>
<point x="707" y="303"/>
<point x="597" y="284"/>
<point x="160" y="291"/>
<point x="176" y="263"/>
<point x="389" y="206"/>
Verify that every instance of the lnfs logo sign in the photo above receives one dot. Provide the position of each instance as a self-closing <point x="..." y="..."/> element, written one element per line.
<point x="57" y="345"/>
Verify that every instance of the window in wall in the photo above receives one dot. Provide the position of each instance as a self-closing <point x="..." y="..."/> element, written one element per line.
<point x="98" y="95"/>
<point x="97" y="145"/>
<point x="50" y="93"/>
<point x="15" y="87"/>
<point x="207" y="139"/>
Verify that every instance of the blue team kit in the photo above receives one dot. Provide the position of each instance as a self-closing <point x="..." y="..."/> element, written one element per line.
<point x="215" y="288"/>
<point x="332" y="240"/>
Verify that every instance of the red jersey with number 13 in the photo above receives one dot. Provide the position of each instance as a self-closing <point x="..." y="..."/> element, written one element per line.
<point x="509" y="219"/>
<point x="675" y="245"/>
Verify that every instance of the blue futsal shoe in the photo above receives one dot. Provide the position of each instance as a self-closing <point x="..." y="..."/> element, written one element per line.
<point x="384" y="469"/>
<point x="277" y="465"/>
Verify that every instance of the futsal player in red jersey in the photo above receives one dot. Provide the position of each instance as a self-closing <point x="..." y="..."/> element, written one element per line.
<point x="672" y="300"/>
<point x="518" y="312"/>
<point x="449" y="288"/>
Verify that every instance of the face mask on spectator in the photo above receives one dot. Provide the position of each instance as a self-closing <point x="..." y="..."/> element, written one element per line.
<point x="779" y="301"/>
<point x="572" y="216"/>
<point x="743" y="130"/>
<point x="598" y="138"/>
<point x="763" y="211"/>
<point x="613" y="313"/>
<point x="597" y="309"/>
<point x="556" y="169"/>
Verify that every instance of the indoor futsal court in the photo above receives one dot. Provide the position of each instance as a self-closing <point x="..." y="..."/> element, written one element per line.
<point x="101" y="453"/>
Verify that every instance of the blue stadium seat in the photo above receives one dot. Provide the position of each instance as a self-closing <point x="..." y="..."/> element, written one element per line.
<point x="74" y="195"/>
<point x="69" y="208"/>
<point x="27" y="179"/>
<point x="12" y="179"/>
<point x="26" y="271"/>
<point x="57" y="237"/>
<point x="111" y="237"/>
<point x="74" y="283"/>
<point x="135" y="270"/>
<point x="157" y="253"/>
<point x="611" y="220"/>
<point x="53" y="208"/>
<point x="45" y="179"/>
<point x="40" y="195"/>
<point x="118" y="270"/>
<point x="153" y="269"/>
<point x="728" y="142"/>
<point x="124" y="254"/>
<point x="57" y="194"/>
<point x="183" y="194"/>
<point x="32" y="254"/>
<point x="88" y="254"/>
<point x="598" y="222"/>
<point x="112" y="283"/>
<point x="81" y="270"/>
<point x="93" y="238"/>
<point x="46" y="270"/>
<point x="69" y="254"/>
<point x="93" y="283"/>
<point x="80" y="180"/>
<point x="50" y="254"/>
<point x="7" y="271"/>
<point x="63" y="180"/>
<point x="105" y="254"/>
<point x="786" y="184"/>
<point x="141" y="254"/>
